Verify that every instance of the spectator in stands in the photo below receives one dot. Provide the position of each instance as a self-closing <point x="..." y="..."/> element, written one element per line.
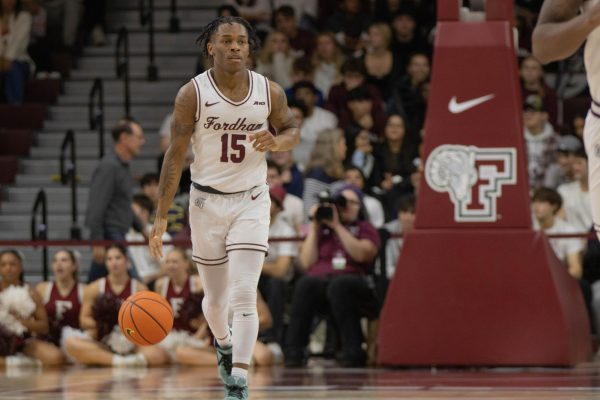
<point x="540" y="138"/>
<point x="176" y="216"/>
<point x="15" y="63"/>
<point x="291" y="176"/>
<point x="533" y="82"/>
<point x="404" y="224"/>
<point x="183" y="291"/>
<point x="406" y="40"/>
<point x="277" y="269"/>
<point x="292" y="210"/>
<point x="577" y="125"/>
<point x="354" y="75"/>
<point x="306" y="12"/>
<point x="39" y="47"/>
<point x="337" y="254"/>
<point x="327" y="59"/>
<point x="303" y="70"/>
<point x="257" y="12"/>
<point x="12" y="272"/>
<point x="546" y="204"/>
<point x="276" y="59"/>
<point x="301" y="40"/>
<point x="350" y="13"/>
<point x="362" y="156"/>
<point x="576" y="195"/>
<point x="326" y="166"/>
<point x="355" y="177"/>
<point x="317" y="119"/>
<point x="62" y="299"/>
<point x="352" y="41"/>
<point x="109" y="215"/>
<point x="562" y="171"/>
<point x="103" y="343"/>
<point x="148" y="269"/>
<point x="363" y="117"/>
<point x="381" y="65"/>
<point x="408" y="97"/>
<point x="63" y="21"/>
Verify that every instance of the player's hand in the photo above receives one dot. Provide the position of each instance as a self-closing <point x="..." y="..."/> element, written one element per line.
<point x="263" y="141"/>
<point x="155" y="240"/>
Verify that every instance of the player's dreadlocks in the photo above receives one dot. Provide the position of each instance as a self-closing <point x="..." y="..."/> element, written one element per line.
<point x="212" y="27"/>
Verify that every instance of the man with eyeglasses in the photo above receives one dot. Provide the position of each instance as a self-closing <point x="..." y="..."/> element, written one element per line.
<point x="337" y="255"/>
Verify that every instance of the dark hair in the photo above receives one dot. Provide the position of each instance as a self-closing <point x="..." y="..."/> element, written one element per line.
<point x="354" y="65"/>
<point x="359" y="93"/>
<point x="303" y="65"/>
<point x="212" y="27"/>
<point x="580" y="153"/>
<point x="231" y="9"/>
<point x="407" y="204"/>
<point x="547" y="195"/>
<point x="305" y="85"/>
<point x="360" y="171"/>
<point x="143" y="201"/>
<point x="273" y="165"/>
<point x="19" y="256"/>
<point x="299" y="105"/>
<point x="125" y="125"/>
<point x="73" y="260"/>
<point x="118" y="247"/>
<point x="149" y="179"/>
<point x="285" y="11"/>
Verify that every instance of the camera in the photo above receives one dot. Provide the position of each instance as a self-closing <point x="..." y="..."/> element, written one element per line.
<point x="326" y="203"/>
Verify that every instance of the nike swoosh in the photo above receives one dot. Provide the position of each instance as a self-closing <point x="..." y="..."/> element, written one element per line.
<point x="456" y="108"/>
<point x="256" y="197"/>
<point x="207" y="104"/>
<point x="247" y="315"/>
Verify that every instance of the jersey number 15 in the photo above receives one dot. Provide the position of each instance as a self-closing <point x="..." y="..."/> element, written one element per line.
<point x="238" y="150"/>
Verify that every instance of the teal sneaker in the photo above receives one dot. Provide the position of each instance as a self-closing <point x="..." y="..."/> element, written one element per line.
<point x="224" y="361"/>
<point x="237" y="389"/>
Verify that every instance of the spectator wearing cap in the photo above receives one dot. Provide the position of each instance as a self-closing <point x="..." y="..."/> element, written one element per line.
<point x="531" y="73"/>
<point x="576" y="195"/>
<point x="317" y="119"/>
<point x="540" y="139"/>
<point x="337" y="255"/>
<point x="277" y="268"/>
<point x="562" y="171"/>
<point x="327" y="59"/>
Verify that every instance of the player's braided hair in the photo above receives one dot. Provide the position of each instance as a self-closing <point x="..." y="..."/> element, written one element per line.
<point x="212" y="27"/>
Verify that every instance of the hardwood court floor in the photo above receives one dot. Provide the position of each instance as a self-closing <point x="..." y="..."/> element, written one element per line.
<point x="321" y="381"/>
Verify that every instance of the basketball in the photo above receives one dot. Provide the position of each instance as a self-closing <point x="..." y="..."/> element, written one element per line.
<point x="145" y="318"/>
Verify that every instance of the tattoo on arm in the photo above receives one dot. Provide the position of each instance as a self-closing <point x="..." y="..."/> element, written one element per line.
<point x="558" y="10"/>
<point x="281" y="116"/>
<point x="182" y="129"/>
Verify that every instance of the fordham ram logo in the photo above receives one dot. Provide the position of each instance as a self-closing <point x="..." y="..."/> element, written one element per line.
<point x="473" y="177"/>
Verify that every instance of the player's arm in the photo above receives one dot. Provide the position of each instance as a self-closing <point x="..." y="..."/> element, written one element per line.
<point x="574" y="264"/>
<point x="560" y="31"/>
<point x="182" y="128"/>
<point x="86" y="318"/>
<point x="282" y="119"/>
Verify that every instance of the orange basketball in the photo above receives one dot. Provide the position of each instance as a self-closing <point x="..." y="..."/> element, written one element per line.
<point x="145" y="318"/>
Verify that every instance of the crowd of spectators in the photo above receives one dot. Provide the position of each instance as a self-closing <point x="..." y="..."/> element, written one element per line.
<point x="356" y="74"/>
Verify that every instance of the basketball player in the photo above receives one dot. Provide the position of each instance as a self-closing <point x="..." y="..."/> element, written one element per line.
<point x="562" y="27"/>
<point x="226" y="112"/>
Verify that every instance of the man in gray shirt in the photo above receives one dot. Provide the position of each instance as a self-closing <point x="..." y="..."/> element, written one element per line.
<point x="109" y="215"/>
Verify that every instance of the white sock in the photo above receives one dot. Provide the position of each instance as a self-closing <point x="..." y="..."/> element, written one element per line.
<point x="225" y="342"/>
<point x="239" y="372"/>
<point x="245" y="268"/>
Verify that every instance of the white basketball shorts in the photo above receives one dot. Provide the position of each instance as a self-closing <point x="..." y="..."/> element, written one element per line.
<point x="221" y="223"/>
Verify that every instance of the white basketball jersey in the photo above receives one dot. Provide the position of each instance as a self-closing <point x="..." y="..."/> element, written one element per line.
<point x="592" y="57"/>
<point x="224" y="159"/>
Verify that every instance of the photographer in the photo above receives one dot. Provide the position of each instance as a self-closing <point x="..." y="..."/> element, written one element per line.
<point x="337" y="254"/>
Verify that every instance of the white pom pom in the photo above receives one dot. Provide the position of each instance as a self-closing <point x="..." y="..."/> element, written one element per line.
<point x="11" y="323"/>
<point x="118" y="342"/>
<point x="17" y="299"/>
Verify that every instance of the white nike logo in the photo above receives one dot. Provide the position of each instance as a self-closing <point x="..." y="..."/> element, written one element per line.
<point x="456" y="108"/>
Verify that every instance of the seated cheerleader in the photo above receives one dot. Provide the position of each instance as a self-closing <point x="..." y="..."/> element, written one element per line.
<point x="103" y="343"/>
<point x="22" y="313"/>
<point x="62" y="301"/>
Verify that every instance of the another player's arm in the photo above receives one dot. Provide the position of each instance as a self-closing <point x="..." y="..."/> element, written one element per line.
<point x="86" y="318"/>
<point x="282" y="119"/>
<point x="560" y="31"/>
<point x="182" y="128"/>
